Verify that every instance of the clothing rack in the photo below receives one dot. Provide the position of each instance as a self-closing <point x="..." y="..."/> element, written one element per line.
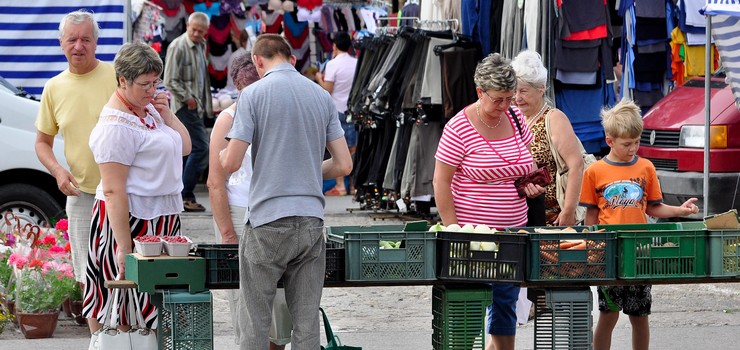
<point x="373" y="3"/>
<point x="400" y="107"/>
<point x="392" y="29"/>
<point x="445" y="24"/>
<point x="415" y="19"/>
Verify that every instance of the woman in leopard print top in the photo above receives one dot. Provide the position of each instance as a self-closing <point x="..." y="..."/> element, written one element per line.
<point x="530" y="98"/>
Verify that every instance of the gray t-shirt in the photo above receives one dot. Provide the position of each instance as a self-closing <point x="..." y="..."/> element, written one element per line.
<point x="288" y="120"/>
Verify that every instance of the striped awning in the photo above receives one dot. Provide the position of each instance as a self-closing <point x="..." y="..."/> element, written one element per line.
<point x="726" y="33"/>
<point x="29" y="37"/>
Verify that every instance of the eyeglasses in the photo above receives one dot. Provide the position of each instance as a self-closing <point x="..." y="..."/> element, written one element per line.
<point x="499" y="101"/>
<point x="147" y="86"/>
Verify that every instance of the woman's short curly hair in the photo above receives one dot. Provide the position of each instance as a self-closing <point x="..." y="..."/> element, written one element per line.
<point x="529" y="68"/>
<point x="135" y="59"/>
<point x="495" y="73"/>
<point x="242" y="70"/>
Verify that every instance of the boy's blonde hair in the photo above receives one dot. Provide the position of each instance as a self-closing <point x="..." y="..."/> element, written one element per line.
<point x="623" y="120"/>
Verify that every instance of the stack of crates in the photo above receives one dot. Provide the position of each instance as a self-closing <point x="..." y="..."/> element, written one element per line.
<point x="186" y="321"/>
<point x="563" y="319"/>
<point x="459" y="313"/>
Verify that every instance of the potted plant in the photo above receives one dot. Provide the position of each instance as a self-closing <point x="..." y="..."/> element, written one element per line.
<point x="44" y="279"/>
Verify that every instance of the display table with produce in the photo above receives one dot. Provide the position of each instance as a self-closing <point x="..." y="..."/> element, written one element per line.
<point x="460" y="263"/>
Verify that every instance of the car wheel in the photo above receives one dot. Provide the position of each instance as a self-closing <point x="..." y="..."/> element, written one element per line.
<point x="30" y="204"/>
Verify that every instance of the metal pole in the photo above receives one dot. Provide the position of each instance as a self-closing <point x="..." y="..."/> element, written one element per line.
<point x="707" y="111"/>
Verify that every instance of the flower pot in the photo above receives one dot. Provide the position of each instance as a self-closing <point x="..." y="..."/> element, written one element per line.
<point x="35" y="326"/>
<point x="76" y="308"/>
<point x="67" y="308"/>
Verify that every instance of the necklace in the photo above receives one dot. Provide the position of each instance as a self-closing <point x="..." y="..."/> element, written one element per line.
<point x="477" y="113"/>
<point x="534" y="118"/>
<point x="131" y="108"/>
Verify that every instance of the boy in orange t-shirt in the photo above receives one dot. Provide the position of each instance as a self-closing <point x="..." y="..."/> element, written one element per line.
<point x="622" y="188"/>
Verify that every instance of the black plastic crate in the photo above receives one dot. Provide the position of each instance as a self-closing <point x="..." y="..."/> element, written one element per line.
<point x="334" y="263"/>
<point x="222" y="264"/>
<point x="460" y="257"/>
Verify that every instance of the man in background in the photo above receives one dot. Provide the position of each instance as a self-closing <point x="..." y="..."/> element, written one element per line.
<point x="186" y="78"/>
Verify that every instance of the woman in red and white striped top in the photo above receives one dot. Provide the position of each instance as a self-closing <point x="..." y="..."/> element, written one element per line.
<point x="481" y="153"/>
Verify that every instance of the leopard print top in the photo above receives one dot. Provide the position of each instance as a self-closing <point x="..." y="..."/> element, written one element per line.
<point x="541" y="152"/>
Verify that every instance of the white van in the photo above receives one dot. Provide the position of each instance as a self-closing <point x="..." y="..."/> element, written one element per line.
<point x="26" y="188"/>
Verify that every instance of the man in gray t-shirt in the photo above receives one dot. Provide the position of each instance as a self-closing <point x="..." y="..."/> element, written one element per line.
<point x="289" y="121"/>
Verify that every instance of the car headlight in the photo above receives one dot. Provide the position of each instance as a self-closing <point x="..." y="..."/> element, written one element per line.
<point x="693" y="136"/>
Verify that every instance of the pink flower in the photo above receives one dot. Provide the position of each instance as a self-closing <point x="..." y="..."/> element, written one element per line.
<point x="17" y="260"/>
<point x="9" y="239"/>
<point x="62" y="225"/>
<point x="49" y="240"/>
<point x="57" y="250"/>
<point x="65" y="235"/>
<point x="66" y="270"/>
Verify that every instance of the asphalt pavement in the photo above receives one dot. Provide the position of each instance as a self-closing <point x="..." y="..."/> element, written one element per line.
<point x="698" y="316"/>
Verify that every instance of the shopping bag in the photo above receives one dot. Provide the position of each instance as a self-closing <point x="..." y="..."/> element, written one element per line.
<point x="110" y="338"/>
<point x="333" y="342"/>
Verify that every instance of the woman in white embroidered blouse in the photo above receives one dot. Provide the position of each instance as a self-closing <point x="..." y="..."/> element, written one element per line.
<point x="138" y="144"/>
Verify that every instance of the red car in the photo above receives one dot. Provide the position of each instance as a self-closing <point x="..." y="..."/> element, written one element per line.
<point x="673" y="139"/>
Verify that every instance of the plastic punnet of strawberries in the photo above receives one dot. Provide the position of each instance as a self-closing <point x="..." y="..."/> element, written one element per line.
<point x="176" y="239"/>
<point x="148" y="239"/>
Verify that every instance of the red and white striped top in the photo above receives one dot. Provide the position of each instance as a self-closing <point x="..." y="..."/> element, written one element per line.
<point x="483" y="184"/>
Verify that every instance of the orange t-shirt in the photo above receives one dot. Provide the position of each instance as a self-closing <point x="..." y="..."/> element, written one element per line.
<point x="621" y="191"/>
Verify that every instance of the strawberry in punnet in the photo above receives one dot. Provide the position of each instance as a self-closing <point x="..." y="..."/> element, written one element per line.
<point x="176" y="239"/>
<point x="148" y="239"/>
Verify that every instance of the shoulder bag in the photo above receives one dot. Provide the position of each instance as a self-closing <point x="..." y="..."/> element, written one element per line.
<point x="111" y="338"/>
<point x="535" y="206"/>
<point x="333" y="342"/>
<point x="561" y="173"/>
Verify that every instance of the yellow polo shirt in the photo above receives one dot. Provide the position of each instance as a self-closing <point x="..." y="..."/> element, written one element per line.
<point x="71" y="104"/>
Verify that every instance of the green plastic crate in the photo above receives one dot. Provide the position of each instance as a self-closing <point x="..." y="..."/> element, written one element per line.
<point x="724" y="253"/>
<point x="366" y="261"/>
<point x="165" y="272"/>
<point x="693" y="225"/>
<point x="458" y="317"/>
<point x="548" y="262"/>
<point x="662" y="250"/>
<point x="563" y="319"/>
<point x="459" y="261"/>
<point x="186" y="321"/>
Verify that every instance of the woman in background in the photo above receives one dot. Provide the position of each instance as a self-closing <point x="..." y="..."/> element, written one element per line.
<point x="530" y="98"/>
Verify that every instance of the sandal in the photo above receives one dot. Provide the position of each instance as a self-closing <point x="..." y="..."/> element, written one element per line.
<point x="335" y="192"/>
<point x="192" y="206"/>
